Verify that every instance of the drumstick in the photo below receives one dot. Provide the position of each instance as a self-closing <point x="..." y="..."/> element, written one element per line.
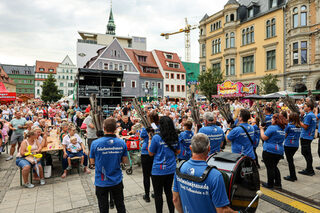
<point x="259" y="194"/>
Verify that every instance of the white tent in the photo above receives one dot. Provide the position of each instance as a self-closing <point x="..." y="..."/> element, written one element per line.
<point x="68" y="98"/>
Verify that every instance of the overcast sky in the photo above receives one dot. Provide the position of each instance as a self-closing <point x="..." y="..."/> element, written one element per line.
<point x="33" y="30"/>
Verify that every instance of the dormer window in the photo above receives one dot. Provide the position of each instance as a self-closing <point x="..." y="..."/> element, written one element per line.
<point x="232" y="17"/>
<point x="41" y="69"/>
<point x="168" y="56"/>
<point x="50" y="70"/>
<point x="250" y="12"/>
<point x="273" y="3"/>
<point x="142" y="58"/>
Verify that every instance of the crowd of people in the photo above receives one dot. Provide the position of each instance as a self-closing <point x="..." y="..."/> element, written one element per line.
<point x="173" y="137"/>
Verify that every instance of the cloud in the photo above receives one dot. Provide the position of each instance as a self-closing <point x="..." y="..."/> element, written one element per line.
<point x="33" y="30"/>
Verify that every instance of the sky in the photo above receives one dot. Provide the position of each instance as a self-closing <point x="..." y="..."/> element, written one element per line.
<point x="47" y="30"/>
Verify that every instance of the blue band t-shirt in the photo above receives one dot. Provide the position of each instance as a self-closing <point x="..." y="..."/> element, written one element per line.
<point x="108" y="153"/>
<point x="184" y="144"/>
<point x="310" y="120"/>
<point x="241" y="144"/>
<point x="215" y="135"/>
<point x="201" y="197"/>
<point x="276" y="137"/>
<point x="293" y="135"/>
<point x="144" y="135"/>
<point x="164" y="162"/>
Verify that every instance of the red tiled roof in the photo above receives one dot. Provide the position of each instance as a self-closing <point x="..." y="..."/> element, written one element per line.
<point x="150" y="62"/>
<point x="46" y="65"/>
<point x="163" y="60"/>
<point x="5" y="78"/>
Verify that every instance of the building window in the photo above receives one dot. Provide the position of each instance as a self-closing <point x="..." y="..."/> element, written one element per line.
<point x="172" y="88"/>
<point x="125" y="67"/>
<point x="182" y="76"/>
<point x="142" y="58"/>
<point x="295" y="53"/>
<point x="232" y="17"/>
<point x="178" y="88"/>
<point x="168" y="56"/>
<point x="110" y="66"/>
<point x="203" y="49"/>
<point x="303" y="16"/>
<point x="227" y="67"/>
<point x="159" y="85"/>
<point x="71" y="78"/>
<point x="182" y="88"/>
<point x="178" y="76"/>
<point x="227" y="18"/>
<point x="120" y="67"/>
<point x="133" y="84"/>
<point x="271" y="28"/>
<point x="105" y="66"/>
<point x="250" y="12"/>
<point x="232" y="66"/>
<point x="70" y="84"/>
<point x="115" y="66"/>
<point x="38" y="91"/>
<point x="295" y="17"/>
<point x="213" y="47"/>
<point x="203" y="68"/>
<point x="172" y="76"/>
<point x="248" y="64"/>
<point x="216" y="67"/>
<point x="50" y="70"/>
<point x="248" y="35"/>
<point x="41" y="69"/>
<point x="232" y="40"/>
<point x="167" y="75"/>
<point x="304" y="51"/>
<point x="61" y="84"/>
<point x="271" y="60"/>
<point x="167" y="88"/>
<point x="63" y="77"/>
<point x="227" y="40"/>
<point x="67" y="77"/>
<point x="147" y="84"/>
<point x="273" y="3"/>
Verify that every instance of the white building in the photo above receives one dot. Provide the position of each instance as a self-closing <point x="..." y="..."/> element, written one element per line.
<point x="66" y="74"/>
<point x="174" y="74"/>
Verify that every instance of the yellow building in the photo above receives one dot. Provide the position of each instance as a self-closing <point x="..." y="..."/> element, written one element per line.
<point x="245" y="40"/>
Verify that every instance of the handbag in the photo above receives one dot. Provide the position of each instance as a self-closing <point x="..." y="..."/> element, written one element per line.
<point x="83" y="126"/>
<point x="30" y="159"/>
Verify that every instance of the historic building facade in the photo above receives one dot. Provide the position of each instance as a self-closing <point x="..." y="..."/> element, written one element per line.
<point x="7" y="81"/>
<point x="115" y="58"/>
<point x="43" y="70"/>
<point x="173" y="72"/>
<point x="22" y="79"/>
<point x="66" y="75"/>
<point x="302" y="26"/>
<point x="244" y="40"/>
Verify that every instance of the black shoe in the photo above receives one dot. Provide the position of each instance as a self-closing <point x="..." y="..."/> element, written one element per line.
<point x="289" y="178"/>
<point x="277" y="186"/>
<point x="111" y="205"/>
<point x="318" y="167"/>
<point x="266" y="185"/>
<point x="305" y="172"/>
<point x="146" y="198"/>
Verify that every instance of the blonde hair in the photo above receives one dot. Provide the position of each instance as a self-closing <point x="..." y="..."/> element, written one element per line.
<point x="236" y="113"/>
<point x="73" y="138"/>
<point x="31" y="133"/>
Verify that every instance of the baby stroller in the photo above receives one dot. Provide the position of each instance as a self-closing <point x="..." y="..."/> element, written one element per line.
<point x="133" y="147"/>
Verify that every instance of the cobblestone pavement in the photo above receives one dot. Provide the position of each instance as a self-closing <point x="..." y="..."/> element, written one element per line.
<point x="76" y="192"/>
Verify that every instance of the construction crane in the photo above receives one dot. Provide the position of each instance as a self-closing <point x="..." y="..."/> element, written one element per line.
<point x="186" y="30"/>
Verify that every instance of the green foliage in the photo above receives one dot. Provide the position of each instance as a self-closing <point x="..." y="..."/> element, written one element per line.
<point x="269" y="84"/>
<point x="50" y="91"/>
<point x="208" y="82"/>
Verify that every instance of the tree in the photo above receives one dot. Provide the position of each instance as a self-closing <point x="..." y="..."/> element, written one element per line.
<point x="208" y="82"/>
<point x="268" y="84"/>
<point x="50" y="91"/>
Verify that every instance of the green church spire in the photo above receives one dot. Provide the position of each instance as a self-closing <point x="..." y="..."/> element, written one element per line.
<point x="111" y="27"/>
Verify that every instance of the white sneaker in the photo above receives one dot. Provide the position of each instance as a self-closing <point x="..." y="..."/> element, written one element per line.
<point x="28" y="185"/>
<point x="42" y="182"/>
<point x="9" y="158"/>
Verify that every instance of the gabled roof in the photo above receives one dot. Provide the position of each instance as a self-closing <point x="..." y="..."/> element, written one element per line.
<point x="67" y="61"/>
<point x="46" y="65"/>
<point x="4" y="77"/>
<point x="204" y="18"/>
<point x="150" y="62"/>
<point x="93" y="59"/>
<point x="163" y="61"/>
<point x="17" y="69"/>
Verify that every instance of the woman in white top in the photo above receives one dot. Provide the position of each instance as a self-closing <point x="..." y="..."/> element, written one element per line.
<point x="23" y="163"/>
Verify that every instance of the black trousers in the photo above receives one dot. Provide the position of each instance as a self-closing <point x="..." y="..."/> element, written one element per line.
<point x="146" y="162"/>
<point x="271" y="161"/>
<point x="102" y="196"/>
<point x="290" y="151"/>
<point x="256" y="160"/>
<point x="306" y="152"/>
<point x="160" y="183"/>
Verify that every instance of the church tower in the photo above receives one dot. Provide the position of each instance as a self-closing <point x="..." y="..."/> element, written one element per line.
<point x="111" y="27"/>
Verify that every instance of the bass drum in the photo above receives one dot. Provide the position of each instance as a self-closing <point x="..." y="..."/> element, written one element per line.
<point x="241" y="178"/>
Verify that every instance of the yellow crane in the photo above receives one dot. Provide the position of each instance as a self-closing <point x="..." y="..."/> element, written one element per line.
<point x="186" y="30"/>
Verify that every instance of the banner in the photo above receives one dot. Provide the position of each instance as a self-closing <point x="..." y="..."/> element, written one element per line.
<point x="7" y="96"/>
<point x="238" y="89"/>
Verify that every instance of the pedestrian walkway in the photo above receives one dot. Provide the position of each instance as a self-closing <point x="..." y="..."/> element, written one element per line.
<point x="76" y="193"/>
